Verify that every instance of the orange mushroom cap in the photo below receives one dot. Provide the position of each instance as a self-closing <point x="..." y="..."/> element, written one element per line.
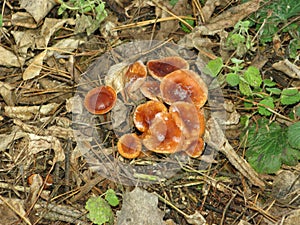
<point x="145" y="113"/>
<point x="135" y="76"/>
<point x="196" y="148"/>
<point x="184" y="85"/>
<point x="187" y="117"/>
<point x="159" y="68"/>
<point x="100" y="100"/>
<point x="163" y="136"/>
<point x="150" y="89"/>
<point x="129" y="146"/>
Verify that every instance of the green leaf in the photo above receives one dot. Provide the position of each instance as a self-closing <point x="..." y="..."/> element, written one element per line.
<point x="61" y="9"/>
<point x="253" y="77"/>
<point x="99" y="211"/>
<point x="294" y="46"/>
<point x="245" y="88"/>
<point x="111" y="197"/>
<point x="268" y="147"/>
<point x="248" y="105"/>
<point x="268" y="102"/>
<point x="232" y="79"/>
<point x="1" y="20"/>
<point x="297" y="111"/>
<point x="173" y="2"/>
<point x="294" y="135"/>
<point x="289" y="96"/>
<point x="269" y="83"/>
<point x="213" y="67"/>
<point x="184" y="27"/>
<point x="275" y="91"/>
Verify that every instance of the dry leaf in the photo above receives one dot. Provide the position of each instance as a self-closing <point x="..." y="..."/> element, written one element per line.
<point x="9" y="59"/>
<point x="41" y="143"/>
<point x="196" y="219"/>
<point x="6" y="91"/>
<point x="7" y="139"/>
<point x="23" y="19"/>
<point x="35" y="66"/>
<point x="24" y="40"/>
<point x="288" y="68"/>
<point x="38" y="8"/>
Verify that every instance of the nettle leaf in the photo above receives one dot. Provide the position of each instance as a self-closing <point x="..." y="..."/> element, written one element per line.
<point x="213" y="67"/>
<point x="100" y="211"/>
<point x="268" y="147"/>
<point x="245" y="88"/>
<point x="232" y="79"/>
<point x="275" y="91"/>
<point x="294" y="135"/>
<point x="268" y="102"/>
<point x="290" y="96"/>
<point x="253" y="77"/>
<point x="269" y="83"/>
<point x="111" y="197"/>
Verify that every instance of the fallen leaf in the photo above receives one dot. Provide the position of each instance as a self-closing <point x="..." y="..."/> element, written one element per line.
<point x="35" y="66"/>
<point x="9" y="59"/>
<point x="23" y="19"/>
<point x="7" y="93"/>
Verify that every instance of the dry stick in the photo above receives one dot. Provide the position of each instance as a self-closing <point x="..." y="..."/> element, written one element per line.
<point x="198" y="6"/>
<point x="148" y="22"/>
<point x="172" y="14"/>
<point x="226" y="208"/>
<point x="16" y="211"/>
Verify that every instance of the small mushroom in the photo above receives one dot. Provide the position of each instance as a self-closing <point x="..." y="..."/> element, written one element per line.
<point x="163" y="136"/>
<point x="145" y="113"/>
<point x="159" y="68"/>
<point x="100" y="100"/>
<point x="135" y="76"/>
<point x="196" y="148"/>
<point x="129" y="146"/>
<point x="150" y="89"/>
<point x="184" y="85"/>
<point x="190" y="121"/>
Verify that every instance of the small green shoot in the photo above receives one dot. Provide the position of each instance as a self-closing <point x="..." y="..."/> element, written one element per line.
<point x="89" y="23"/>
<point x="1" y="20"/>
<point x="271" y="145"/>
<point x="190" y="22"/>
<point x="100" y="211"/>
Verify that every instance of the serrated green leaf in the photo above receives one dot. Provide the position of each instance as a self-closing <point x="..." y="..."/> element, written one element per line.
<point x="253" y="77"/>
<point x="269" y="83"/>
<point x="245" y="88"/>
<point x="100" y="211"/>
<point x="275" y="91"/>
<point x="290" y="96"/>
<point x="268" y="147"/>
<point x="111" y="197"/>
<point x="294" y="135"/>
<point x="268" y="102"/>
<point x="232" y="79"/>
<point x="213" y="67"/>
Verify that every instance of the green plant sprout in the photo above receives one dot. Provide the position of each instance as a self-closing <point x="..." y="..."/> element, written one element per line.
<point x="190" y="22"/>
<point x="90" y="22"/>
<point x="239" y="39"/>
<point x="271" y="145"/>
<point x="100" y="211"/>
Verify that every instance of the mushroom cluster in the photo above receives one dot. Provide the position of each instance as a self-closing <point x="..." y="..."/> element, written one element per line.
<point x="171" y="120"/>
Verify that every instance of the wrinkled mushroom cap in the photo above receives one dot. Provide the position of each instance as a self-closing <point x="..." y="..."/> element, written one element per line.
<point x="196" y="148"/>
<point x="163" y="136"/>
<point x="159" y="68"/>
<point x="129" y="146"/>
<point x="184" y="85"/>
<point x="145" y="113"/>
<point x="135" y="76"/>
<point x="150" y="89"/>
<point x="100" y="100"/>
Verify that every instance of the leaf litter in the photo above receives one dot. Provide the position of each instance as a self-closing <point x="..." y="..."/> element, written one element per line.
<point x="37" y="136"/>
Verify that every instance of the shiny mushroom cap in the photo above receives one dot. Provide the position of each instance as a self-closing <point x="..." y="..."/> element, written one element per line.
<point x="159" y="68"/>
<point x="145" y="113"/>
<point x="135" y="76"/>
<point x="196" y="148"/>
<point x="129" y="146"/>
<point x="184" y="85"/>
<point x="100" y="100"/>
<point x="150" y="89"/>
<point x="163" y="136"/>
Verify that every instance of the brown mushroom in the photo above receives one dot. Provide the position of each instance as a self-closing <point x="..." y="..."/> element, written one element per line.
<point x="190" y="121"/>
<point x="145" y="113"/>
<point x="184" y="85"/>
<point x="100" y="100"/>
<point x="163" y="136"/>
<point x="150" y="89"/>
<point x="129" y="146"/>
<point x="159" y="68"/>
<point x="135" y="76"/>
<point x="196" y="148"/>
